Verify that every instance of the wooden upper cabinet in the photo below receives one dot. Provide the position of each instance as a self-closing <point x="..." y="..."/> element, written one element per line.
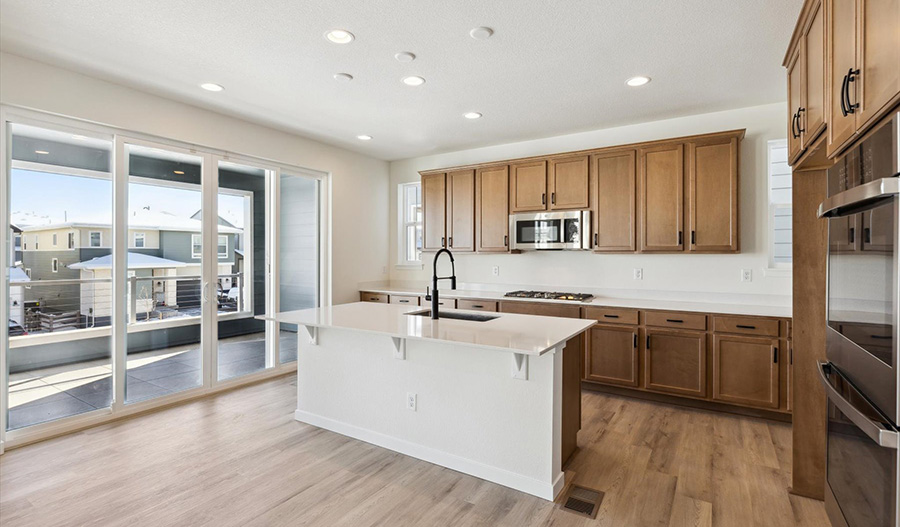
<point x="615" y="199"/>
<point x="795" y="72"/>
<point x="661" y="178"/>
<point x="746" y="371"/>
<point x="713" y="195"/>
<point x="878" y="57"/>
<point x="612" y="355"/>
<point x="675" y="362"/>
<point x="434" y="212"/>
<point x="461" y="210"/>
<point x="569" y="182"/>
<point x="492" y="209"/>
<point x="840" y="27"/>
<point x="812" y="119"/>
<point x="528" y="186"/>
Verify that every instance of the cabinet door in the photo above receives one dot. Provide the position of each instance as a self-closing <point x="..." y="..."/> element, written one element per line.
<point x="813" y="118"/>
<point x="675" y="362"/>
<point x="569" y="183"/>
<point x="795" y="102"/>
<point x="878" y="57"/>
<point x="528" y="187"/>
<point x="434" y="212"/>
<point x="461" y="210"/>
<point x="612" y="355"/>
<point x="840" y="20"/>
<point x="745" y="370"/>
<point x="713" y="180"/>
<point x="662" y="197"/>
<point x="844" y="234"/>
<point x="614" y="185"/>
<point x="492" y="209"/>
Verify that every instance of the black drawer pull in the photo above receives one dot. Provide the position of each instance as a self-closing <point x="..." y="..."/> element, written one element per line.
<point x="403" y="301"/>
<point x="743" y="326"/>
<point x="635" y="340"/>
<point x="774" y="354"/>
<point x="881" y="337"/>
<point x="675" y="321"/>
<point x="648" y="342"/>
<point x="611" y="316"/>
<point x="477" y="306"/>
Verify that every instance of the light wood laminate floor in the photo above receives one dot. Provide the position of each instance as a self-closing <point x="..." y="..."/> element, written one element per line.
<point x="239" y="458"/>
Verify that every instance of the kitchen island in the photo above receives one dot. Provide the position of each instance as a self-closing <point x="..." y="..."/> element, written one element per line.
<point x="483" y="397"/>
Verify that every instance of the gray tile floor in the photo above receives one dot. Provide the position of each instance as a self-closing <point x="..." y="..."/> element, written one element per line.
<point x="53" y="393"/>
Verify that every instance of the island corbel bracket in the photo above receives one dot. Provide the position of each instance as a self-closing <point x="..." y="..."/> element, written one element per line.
<point x="399" y="348"/>
<point x="520" y="366"/>
<point x="313" y="334"/>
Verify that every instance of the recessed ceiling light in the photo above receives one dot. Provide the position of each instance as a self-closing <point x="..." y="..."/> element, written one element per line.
<point x="343" y="77"/>
<point x="472" y="115"/>
<point x="640" y="80"/>
<point x="179" y="172"/>
<point x="481" y="33"/>
<point x="413" y="80"/>
<point x="41" y="152"/>
<point x="211" y="86"/>
<point x="340" y="36"/>
<point x="364" y="137"/>
<point x="405" y="56"/>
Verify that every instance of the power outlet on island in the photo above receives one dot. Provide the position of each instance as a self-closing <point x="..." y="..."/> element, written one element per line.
<point x="495" y="270"/>
<point x="411" y="401"/>
<point x="746" y="275"/>
<point x="638" y="273"/>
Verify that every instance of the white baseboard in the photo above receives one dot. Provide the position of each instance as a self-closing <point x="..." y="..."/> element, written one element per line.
<point x="544" y="490"/>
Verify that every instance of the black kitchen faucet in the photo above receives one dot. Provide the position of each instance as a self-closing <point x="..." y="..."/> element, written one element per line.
<point x="434" y="281"/>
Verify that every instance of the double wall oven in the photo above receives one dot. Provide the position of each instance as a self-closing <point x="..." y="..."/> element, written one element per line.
<point x="862" y="346"/>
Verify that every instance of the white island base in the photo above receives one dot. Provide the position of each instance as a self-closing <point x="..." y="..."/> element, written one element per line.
<point x="475" y="409"/>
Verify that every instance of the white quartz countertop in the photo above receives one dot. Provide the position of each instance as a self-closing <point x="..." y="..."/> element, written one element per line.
<point x="736" y="307"/>
<point x="526" y="334"/>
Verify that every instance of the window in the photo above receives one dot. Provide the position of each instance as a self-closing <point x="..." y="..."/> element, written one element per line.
<point x="71" y="241"/>
<point x="780" y="203"/>
<point x="410" y="222"/>
<point x="54" y="265"/>
<point x="95" y="238"/>
<point x="28" y="271"/>
<point x="54" y="239"/>
<point x="36" y="242"/>
<point x="17" y="241"/>
<point x="196" y="246"/>
<point x="223" y="247"/>
<point x="139" y="240"/>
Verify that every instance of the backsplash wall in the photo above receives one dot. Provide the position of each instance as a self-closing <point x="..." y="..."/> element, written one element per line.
<point x="715" y="273"/>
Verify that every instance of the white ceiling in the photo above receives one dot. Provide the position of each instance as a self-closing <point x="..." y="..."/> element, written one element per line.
<point x="552" y="67"/>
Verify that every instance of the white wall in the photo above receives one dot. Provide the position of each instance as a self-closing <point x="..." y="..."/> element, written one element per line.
<point x="571" y="270"/>
<point x="359" y="183"/>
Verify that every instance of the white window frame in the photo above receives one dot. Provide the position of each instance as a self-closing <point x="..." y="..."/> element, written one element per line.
<point x="199" y="241"/>
<point x="219" y="244"/>
<point x="773" y="268"/>
<point x="37" y="243"/>
<point x="403" y="226"/>
<point x="54" y="265"/>
<point x="70" y="240"/>
<point x="55" y="239"/>
<point x="140" y="236"/>
<point x="91" y="239"/>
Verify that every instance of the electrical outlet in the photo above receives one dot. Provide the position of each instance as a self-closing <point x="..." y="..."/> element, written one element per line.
<point x="411" y="401"/>
<point x="746" y="275"/>
<point x="495" y="270"/>
<point x="638" y="273"/>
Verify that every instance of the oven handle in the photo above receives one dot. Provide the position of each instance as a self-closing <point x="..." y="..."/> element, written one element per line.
<point x="884" y="437"/>
<point x="861" y="198"/>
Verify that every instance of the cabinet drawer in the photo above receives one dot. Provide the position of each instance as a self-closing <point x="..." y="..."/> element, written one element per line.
<point x="612" y="315"/>
<point x="381" y="298"/>
<point x="746" y="326"/>
<point x="405" y="300"/>
<point x="447" y="302"/>
<point x="477" y="305"/>
<point x="671" y="319"/>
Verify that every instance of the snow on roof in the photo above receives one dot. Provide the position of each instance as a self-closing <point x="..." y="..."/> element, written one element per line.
<point x="17" y="274"/>
<point x="139" y="219"/>
<point x="135" y="261"/>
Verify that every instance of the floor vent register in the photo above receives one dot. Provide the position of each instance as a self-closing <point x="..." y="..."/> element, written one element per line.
<point x="583" y="501"/>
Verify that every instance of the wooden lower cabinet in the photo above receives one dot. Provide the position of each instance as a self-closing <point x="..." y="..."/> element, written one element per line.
<point x="612" y="355"/>
<point x="746" y="370"/>
<point x="675" y="362"/>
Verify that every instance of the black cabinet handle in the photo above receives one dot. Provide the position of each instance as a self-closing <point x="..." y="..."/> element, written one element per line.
<point x="800" y="128"/>
<point x="881" y="337"/>
<point x="851" y="77"/>
<point x="774" y="354"/>
<point x="693" y="237"/>
<point x="596" y="239"/>
<point x="505" y="240"/>
<point x="844" y="110"/>
<point x="451" y="241"/>
<point x="852" y="234"/>
<point x="794" y="133"/>
<point x="867" y="235"/>
<point x="742" y="326"/>
<point x="635" y="340"/>
<point x="648" y="342"/>
<point x="477" y="306"/>
<point x="543" y="199"/>
<point x="791" y="356"/>
<point x="553" y="198"/>
<point x="403" y="301"/>
<point x="675" y="320"/>
<point x="679" y="238"/>
<point x="611" y="316"/>
<point x="442" y="241"/>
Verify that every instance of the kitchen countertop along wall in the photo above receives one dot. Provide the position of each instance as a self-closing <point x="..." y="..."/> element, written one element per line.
<point x="730" y="304"/>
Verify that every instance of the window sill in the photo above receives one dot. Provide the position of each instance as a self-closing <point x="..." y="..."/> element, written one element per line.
<point x="410" y="266"/>
<point x="778" y="272"/>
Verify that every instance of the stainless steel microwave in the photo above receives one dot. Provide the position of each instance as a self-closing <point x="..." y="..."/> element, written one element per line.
<point x="568" y="230"/>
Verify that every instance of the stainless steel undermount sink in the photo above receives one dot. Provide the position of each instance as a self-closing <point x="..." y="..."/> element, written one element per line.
<point x="472" y="317"/>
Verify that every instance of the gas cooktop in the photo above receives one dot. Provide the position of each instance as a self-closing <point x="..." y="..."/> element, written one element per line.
<point x="550" y="295"/>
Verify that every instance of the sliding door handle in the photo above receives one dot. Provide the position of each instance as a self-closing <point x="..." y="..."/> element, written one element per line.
<point x="205" y="292"/>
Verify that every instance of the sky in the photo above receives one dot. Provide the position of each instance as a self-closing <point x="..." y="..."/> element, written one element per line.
<point x="45" y="197"/>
